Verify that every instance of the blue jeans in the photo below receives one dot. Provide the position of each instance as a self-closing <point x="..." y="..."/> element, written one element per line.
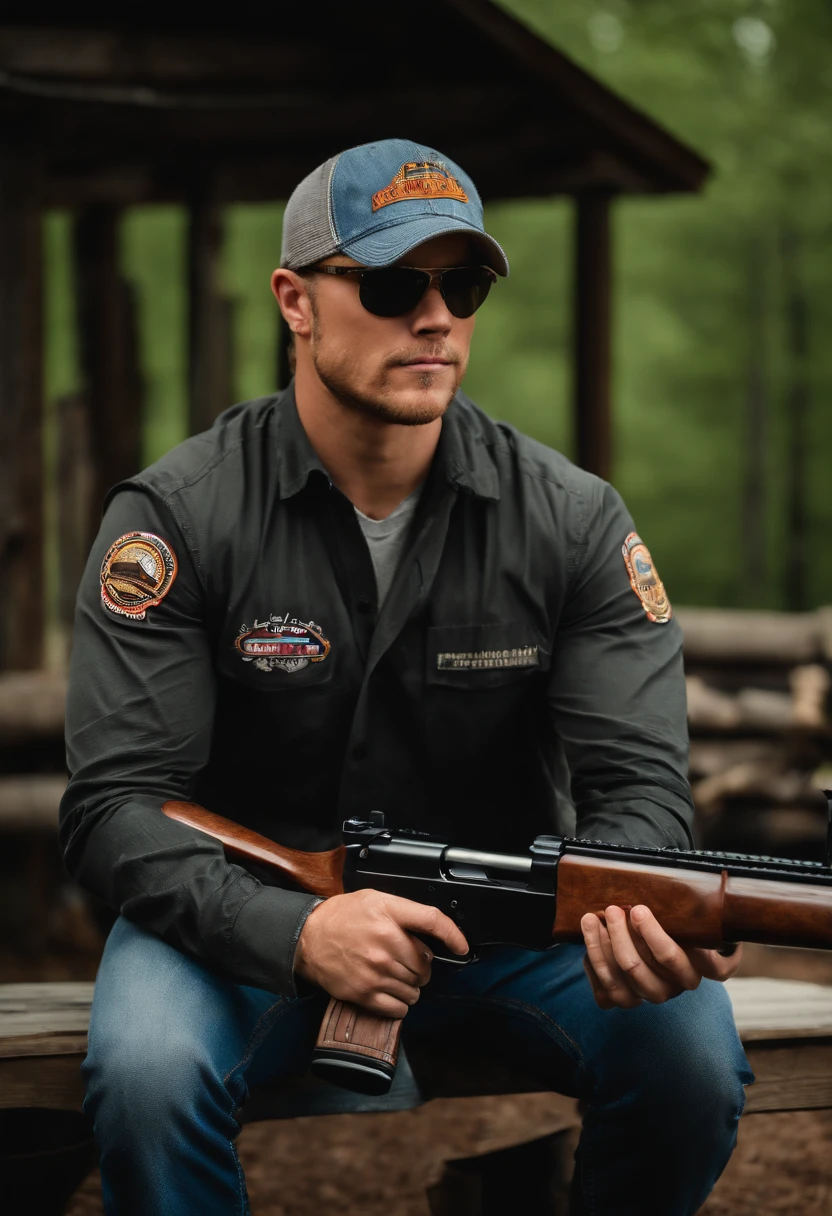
<point x="174" y="1050"/>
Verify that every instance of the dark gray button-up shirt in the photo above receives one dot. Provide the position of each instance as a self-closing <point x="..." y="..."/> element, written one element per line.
<point x="512" y="675"/>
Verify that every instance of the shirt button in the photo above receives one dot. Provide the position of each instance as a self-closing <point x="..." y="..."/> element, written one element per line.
<point x="359" y="752"/>
<point x="365" y="605"/>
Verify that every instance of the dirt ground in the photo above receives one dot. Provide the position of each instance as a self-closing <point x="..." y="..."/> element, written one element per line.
<point x="304" y="1167"/>
<point x="381" y="1165"/>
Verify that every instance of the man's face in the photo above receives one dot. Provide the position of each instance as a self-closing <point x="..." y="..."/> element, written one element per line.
<point x="398" y="369"/>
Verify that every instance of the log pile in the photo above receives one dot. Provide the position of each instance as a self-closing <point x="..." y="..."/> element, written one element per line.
<point x="761" y="732"/>
<point x="31" y="755"/>
<point x="759" y="696"/>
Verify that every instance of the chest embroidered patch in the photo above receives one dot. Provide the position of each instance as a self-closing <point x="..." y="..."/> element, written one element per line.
<point x="470" y="660"/>
<point x="645" y="580"/>
<point x="282" y="642"/>
<point x="136" y="574"/>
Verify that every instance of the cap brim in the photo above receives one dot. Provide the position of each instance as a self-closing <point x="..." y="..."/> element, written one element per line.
<point x="385" y="246"/>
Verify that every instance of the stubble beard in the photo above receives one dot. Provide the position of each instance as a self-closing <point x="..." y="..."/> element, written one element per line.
<point x="340" y="374"/>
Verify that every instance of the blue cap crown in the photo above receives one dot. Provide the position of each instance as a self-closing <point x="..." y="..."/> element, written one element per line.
<point x="378" y="201"/>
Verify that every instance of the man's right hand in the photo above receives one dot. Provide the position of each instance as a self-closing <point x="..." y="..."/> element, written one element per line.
<point x="359" y="947"/>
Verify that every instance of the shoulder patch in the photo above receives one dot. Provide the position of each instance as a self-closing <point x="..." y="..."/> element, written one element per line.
<point x="136" y="574"/>
<point x="645" y="581"/>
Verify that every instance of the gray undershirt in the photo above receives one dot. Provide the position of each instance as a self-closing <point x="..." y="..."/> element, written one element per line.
<point x="386" y="540"/>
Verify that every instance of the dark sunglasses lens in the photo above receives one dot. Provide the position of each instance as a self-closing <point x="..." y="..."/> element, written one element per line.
<point x="392" y="292"/>
<point x="465" y="288"/>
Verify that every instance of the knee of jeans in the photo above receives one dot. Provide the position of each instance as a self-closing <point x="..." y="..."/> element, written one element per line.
<point x="139" y="1080"/>
<point x="683" y="1055"/>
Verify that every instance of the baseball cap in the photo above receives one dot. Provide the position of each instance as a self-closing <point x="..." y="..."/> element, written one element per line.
<point x="378" y="201"/>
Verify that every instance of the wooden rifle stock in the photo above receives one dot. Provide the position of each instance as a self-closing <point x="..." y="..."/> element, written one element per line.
<point x="705" y="907"/>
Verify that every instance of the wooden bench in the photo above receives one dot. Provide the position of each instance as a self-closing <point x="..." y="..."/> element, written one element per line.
<point x="785" y="1025"/>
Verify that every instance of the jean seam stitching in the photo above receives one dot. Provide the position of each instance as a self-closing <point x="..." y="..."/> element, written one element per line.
<point x="261" y="1028"/>
<point x="531" y="1011"/>
<point x="257" y="1035"/>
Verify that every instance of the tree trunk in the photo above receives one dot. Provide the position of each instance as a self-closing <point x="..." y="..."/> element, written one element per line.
<point x="113" y="389"/>
<point x="210" y="314"/>
<point x="756" y="409"/>
<point x="797" y="418"/>
<point x="22" y="610"/>
<point x="592" y="341"/>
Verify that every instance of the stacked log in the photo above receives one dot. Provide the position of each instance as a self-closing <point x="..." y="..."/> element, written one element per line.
<point x="759" y="694"/>
<point x="761" y="735"/>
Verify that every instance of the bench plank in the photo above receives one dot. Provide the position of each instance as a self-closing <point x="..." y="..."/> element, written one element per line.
<point x="767" y="1009"/>
<point x="53" y="1082"/>
<point x="44" y="1019"/>
<point x="786" y="1026"/>
<point x="794" y="1075"/>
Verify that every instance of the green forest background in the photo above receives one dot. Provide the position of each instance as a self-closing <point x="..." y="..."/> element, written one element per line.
<point x="723" y="300"/>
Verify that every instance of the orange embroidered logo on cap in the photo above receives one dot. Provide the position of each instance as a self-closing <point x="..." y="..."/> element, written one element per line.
<point x="419" y="179"/>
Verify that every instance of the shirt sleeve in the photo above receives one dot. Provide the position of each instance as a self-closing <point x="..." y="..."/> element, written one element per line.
<point x="617" y="697"/>
<point x="139" y="722"/>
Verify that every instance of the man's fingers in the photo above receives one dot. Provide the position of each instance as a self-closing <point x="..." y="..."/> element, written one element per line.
<point x="416" y="957"/>
<point x="602" y="998"/>
<point x="392" y="998"/>
<point x="642" y="977"/>
<point x="671" y="958"/>
<point x="386" y="1006"/>
<point x="715" y="966"/>
<point x="602" y="961"/>
<point x="419" y="918"/>
<point x="408" y="975"/>
<point x="620" y="977"/>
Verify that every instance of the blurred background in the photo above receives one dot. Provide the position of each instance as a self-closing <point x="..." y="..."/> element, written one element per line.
<point x="659" y="174"/>
<point x="721" y="365"/>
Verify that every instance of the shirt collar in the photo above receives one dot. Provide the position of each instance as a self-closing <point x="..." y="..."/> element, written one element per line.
<point x="462" y="455"/>
<point x="297" y="461"/>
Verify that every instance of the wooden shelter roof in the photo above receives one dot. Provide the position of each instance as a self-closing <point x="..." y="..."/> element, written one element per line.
<point x="131" y="105"/>
<point x="106" y="107"/>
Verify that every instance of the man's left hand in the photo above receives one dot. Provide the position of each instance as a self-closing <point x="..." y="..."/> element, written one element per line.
<point x="630" y="960"/>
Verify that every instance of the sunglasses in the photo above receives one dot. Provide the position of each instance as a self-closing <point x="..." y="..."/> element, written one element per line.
<point x="393" y="291"/>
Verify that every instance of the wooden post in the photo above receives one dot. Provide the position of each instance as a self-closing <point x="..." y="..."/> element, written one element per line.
<point x="755" y="420"/>
<point x="593" y="334"/>
<point x="22" y="612"/>
<point x="108" y="343"/>
<point x="798" y="407"/>
<point x="210" y="363"/>
<point x="75" y="489"/>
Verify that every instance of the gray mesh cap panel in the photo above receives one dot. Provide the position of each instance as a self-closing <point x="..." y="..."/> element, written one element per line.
<point x="308" y="229"/>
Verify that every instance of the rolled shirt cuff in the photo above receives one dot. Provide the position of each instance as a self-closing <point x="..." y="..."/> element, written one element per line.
<point x="265" y="937"/>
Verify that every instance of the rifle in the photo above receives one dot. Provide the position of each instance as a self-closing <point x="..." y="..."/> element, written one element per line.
<point x="699" y="898"/>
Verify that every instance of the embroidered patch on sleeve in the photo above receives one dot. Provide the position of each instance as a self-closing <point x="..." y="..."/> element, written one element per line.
<point x="136" y="574"/>
<point x="645" y="580"/>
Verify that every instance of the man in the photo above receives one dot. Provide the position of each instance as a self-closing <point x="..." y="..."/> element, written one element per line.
<point x="363" y="593"/>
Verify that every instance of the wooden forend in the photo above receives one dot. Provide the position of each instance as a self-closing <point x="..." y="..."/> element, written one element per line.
<point x="687" y="903"/>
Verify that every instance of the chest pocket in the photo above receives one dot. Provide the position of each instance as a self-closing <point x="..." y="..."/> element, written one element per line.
<point x="478" y="657"/>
